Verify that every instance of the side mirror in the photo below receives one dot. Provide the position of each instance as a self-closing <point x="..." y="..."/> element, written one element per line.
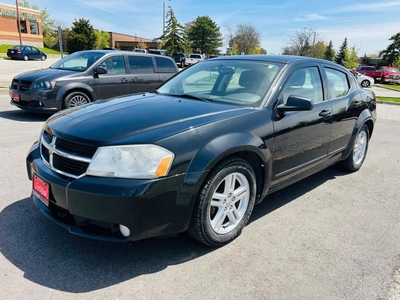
<point x="100" y="70"/>
<point x="296" y="103"/>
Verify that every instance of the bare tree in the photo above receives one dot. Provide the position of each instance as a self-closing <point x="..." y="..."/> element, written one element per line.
<point x="304" y="43"/>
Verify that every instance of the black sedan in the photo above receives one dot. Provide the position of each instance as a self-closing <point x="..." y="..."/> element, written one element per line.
<point x="26" y="53"/>
<point x="200" y="151"/>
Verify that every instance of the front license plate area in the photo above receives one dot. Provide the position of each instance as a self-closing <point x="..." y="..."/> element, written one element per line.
<point x="41" y="189"/>
<point x="16" y="97"/>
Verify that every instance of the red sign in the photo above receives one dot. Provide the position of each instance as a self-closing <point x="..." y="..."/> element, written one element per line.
<point x="41" y="189"/>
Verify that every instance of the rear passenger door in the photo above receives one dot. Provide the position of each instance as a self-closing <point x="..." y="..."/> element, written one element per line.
<point x="346" y="102"/>
<point x="143" y="75"/>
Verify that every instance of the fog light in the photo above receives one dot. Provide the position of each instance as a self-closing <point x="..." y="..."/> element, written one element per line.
<point x="124" y="230"/>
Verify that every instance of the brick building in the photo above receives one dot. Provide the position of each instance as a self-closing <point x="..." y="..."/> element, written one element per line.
<point x="30" y="26"/>
<point x="129" y="42"/>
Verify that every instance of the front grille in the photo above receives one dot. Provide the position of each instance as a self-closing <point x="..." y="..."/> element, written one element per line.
<point x="66" y="157"/>
<point x="20" y="85"/>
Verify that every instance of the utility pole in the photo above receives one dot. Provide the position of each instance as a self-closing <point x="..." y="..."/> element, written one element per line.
<point x="163" y="23"/>
<point x="18" y="24"/>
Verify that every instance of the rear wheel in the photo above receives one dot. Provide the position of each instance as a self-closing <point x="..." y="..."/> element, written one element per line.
<point x="43" y="57"/>
<point x="365" y="83"/>
<point x="76" y="99"/>
<point x="225" y="203"/>
<point x="357" y="155"/>
<point x="26" y="57"/>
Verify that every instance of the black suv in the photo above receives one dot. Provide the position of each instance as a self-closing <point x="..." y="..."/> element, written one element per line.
<point x="179" y="58"/>
<point x="86" y="76"/>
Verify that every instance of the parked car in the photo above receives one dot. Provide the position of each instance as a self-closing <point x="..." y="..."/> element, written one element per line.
<point x="363" y="80"/>
<point x="194" y="59"/>
<point x="370" y="71"/>
<point x="180" y="59"/>
<point x="86" y="76"/>
<point x="386" y="71"/>
<point x="158" y="52"/>
<point x="201" y="150"/>
<point x="26" y="53"/>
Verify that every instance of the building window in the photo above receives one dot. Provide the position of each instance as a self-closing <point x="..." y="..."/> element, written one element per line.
<point x="34" y="27"/>
<point x="22" y="26"/>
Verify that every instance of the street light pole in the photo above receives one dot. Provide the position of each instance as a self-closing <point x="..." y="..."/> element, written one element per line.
<point x="163" y="23"/>
<point x="18" y="23"/>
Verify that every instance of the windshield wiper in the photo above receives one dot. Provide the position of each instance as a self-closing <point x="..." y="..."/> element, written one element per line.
<point x="192" y="97"/>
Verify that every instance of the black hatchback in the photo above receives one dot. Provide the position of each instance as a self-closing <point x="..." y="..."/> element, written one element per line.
<point x="86" y="76"/>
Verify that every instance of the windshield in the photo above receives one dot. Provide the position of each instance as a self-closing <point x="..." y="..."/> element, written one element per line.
<point x="238" y="82"/>
<point x="78" y="61"/>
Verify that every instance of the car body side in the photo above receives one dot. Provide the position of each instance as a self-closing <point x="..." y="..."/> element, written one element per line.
<point x="201" y="141"/>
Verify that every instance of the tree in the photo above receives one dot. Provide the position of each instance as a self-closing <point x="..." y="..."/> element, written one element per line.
<point x="340" y="56"/>
<point x="174" y="38"/>
<point x="318" y="50"/>
<point x="247" y="39"/>
<point x="330" y="52"/>
<point x="204" y="35"/>
<point x="350" y="59"/>
<point x="81" y="36"/>
<point x="303" y="43"/>
<point x="102" y="39"/>
<point x="49" y="28"/>
<point x="392" y="53"/>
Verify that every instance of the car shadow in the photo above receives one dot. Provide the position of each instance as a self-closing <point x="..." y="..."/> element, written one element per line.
<point x="282" y="197"/>
<point x="52" y="257"/>
<point x="24" y="116"/>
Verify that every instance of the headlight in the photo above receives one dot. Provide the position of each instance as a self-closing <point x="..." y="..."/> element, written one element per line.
<point x="44" y="85"/>
<point x="131" y="161"/>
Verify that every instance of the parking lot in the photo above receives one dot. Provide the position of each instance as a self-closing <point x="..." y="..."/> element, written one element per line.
<point x="333" y="235"/>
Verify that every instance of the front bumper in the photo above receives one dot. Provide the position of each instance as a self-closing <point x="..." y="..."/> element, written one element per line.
<point x="35" y="100"/>
<point x="94" y="207"/>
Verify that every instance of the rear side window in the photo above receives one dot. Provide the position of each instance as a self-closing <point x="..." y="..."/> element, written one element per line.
<point x="338" y="86"/>
<point x="165" y="65"/>
<point x="140" y="64"/>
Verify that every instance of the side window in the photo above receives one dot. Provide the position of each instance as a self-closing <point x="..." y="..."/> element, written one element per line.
<point x="305" y="82"/>
<point x="140" y="64"/>
<point x="165" y="65"/>
<point x="115" y="65"/>
<point x="337" y="84"/>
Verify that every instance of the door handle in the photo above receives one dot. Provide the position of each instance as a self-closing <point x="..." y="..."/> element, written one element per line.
<point x="124" y="79"/>
<point x="324" y="113"/>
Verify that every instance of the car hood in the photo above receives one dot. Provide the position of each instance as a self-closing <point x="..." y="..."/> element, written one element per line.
<point x="44" y="75"/>
<point x="141" y="118"/>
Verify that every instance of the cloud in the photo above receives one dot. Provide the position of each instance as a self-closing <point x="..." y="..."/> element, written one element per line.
<point x="311" y="17"/>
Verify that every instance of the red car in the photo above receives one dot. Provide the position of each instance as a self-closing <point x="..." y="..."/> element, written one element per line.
<point x="386" y="71"/>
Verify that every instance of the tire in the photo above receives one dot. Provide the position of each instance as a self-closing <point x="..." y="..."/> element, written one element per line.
<point x="76" y="99"/>
<point x="222" y="210"/>
<point x="26" y="57"/>
<point x="43" y="57"/>
<point x="357" y="155"/>
<point x="365" y="83"/>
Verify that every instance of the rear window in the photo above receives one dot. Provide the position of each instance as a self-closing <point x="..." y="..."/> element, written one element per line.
<point x="165" y="65"/>
<point x="368" y="69"/>
<point x="390" y="69"/>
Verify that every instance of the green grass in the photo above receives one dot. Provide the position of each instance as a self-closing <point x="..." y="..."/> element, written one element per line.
<point x="390" y="86"/>
<point x="3" y="49"/>
<point x="388" y="99"/>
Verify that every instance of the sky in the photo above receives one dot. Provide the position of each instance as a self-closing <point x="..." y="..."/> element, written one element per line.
<point x="367" y="24"/>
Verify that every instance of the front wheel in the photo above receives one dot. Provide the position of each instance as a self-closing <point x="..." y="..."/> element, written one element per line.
<point x="357" y="155"/>
<point x="43" y="57"/>
<point x="76" y="99"/>
<point x="225" y="203"/>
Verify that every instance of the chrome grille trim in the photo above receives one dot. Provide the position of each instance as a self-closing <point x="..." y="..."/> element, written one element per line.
<point x="52" y="150"/>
